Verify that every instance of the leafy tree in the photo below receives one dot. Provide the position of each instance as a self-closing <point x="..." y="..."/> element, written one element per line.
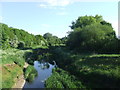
<point x="52" y="40"/>
<point x="64" y="40"/>
<point x="12" y="37"/>
<point x="47" y="35"/>
<point x="86" y="20"/>
<point x="92" y="34"/>
<point x="40" y="40"/>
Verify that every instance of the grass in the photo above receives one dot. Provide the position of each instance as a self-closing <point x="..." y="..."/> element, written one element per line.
<point x="93" y="70"/>
<point x="44" y="47"/>
<point x="9" y="56"/>
<point x="9" y="73"/>
<point x="12" y="66"/>
<point x="98" y="69"/>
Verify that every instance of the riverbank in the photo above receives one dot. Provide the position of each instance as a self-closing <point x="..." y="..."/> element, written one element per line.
<point x="90" y="69"/>
<point x="20" y="82"/>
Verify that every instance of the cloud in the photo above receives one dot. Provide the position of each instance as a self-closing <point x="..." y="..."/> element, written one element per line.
<point x="58" y="2"/>
<point x="43" y="5"/>
<point x="61" y="3"/>
<point x="54" y="3"/>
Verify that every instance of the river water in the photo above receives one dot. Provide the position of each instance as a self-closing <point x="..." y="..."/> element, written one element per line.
<point x="44" y="70"/>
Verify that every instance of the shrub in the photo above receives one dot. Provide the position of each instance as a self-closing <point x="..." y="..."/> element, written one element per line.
<point x="30" y="73"/>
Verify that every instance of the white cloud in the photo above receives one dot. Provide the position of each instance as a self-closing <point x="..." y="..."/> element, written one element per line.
<point x="57" y="2"/>
<point x="43" y="5"/>
<point x="54" y="3"/>
<point x="62" y="3"/>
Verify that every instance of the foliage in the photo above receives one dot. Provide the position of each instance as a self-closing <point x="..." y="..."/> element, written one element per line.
<point x="30" y="73"/>
<point x="92" y="34"/>
<point x="62" y="79"/>
<point x="18" y="38"/>
<point x="11" y="56"/>
<point x="77" y="55"/>
<point x="21" y="45"/>
<point x="90" y="69"/>
<point x="52" y="40"/>
<point x="12" y="66"/>
<point x="86" y="20"/>
<point x="64" y="40"/>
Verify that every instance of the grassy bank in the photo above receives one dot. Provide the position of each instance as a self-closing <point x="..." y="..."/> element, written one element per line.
<point x="62" y="79"/>
<point x="12" y="66"/>
<point x="92" y="70"/>
<point x="9" y="74"/>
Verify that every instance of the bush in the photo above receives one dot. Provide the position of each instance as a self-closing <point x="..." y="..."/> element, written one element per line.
<point x="21" y="45"/>
<point x="62" y="79"/>
<point x="30" y="73"/>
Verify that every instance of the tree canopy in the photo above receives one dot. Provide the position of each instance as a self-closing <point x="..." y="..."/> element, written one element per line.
<point x="52" y="40"/>
<point x="16" y="38"/>
<point x="92" y="34"/>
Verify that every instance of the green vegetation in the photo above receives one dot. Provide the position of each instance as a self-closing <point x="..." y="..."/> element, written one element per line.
<point x="92" y="70"/>
<point x="18" y="38"/>
<point x="11" y="56"/>
<point x="12" y="66"/>
<point x="9" y="74"/>
<point x="52" y="40"/>
<point x="93" y="34"/>
<point x="62" y="79"/>
<point x="89" y="57"/>
<point x="30" y="73"/>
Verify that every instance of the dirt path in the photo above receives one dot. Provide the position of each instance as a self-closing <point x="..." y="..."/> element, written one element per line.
<point x="20" y="81"/>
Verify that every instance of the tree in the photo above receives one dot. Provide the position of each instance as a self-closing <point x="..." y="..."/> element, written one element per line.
<point x="91" y="34"/>
<point x="86" y="20"/>
<point x="11" y="36"/>
<point x="14" y="42"/>
<point x="52" y="40"/>
<point x="21" y="45"/>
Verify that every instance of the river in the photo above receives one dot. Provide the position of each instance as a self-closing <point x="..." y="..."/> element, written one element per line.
<point x="44" y="70"/>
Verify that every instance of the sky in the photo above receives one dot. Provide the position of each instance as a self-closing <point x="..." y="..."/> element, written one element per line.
<point x="54" y="16"/>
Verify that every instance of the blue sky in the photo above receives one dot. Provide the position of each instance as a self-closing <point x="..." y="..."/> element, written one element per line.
<point x="54" y="16"/>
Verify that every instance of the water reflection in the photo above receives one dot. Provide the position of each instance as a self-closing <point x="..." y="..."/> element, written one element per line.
<point x="44" y="70"/>
<point x="43" y="65"/>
